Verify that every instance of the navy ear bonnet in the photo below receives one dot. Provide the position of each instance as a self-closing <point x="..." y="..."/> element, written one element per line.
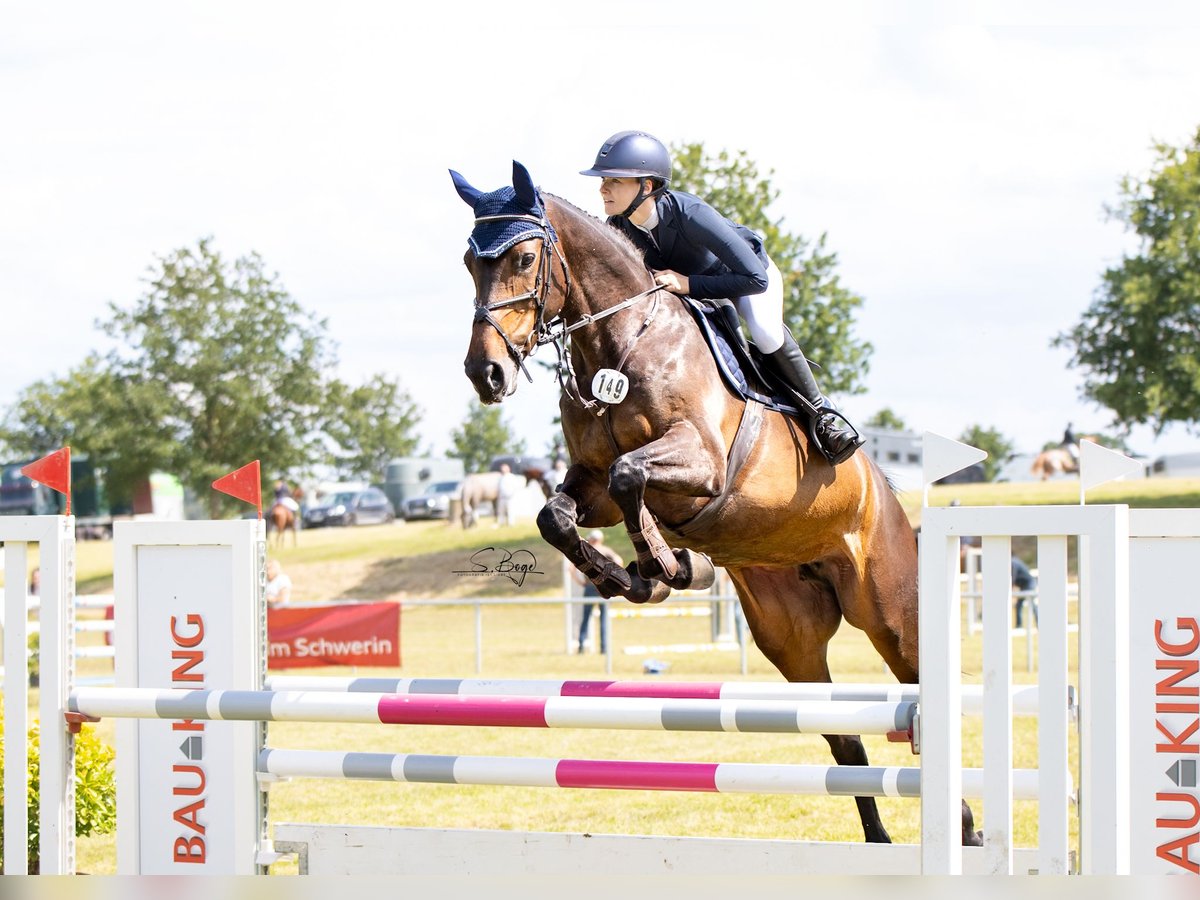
<point x="493" y="237"/>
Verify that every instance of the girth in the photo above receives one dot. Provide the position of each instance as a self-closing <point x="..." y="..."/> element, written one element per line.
<point x="739" y="451"/>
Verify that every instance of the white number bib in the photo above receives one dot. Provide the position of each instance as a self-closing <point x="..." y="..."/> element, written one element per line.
<point x="610" y="386"/>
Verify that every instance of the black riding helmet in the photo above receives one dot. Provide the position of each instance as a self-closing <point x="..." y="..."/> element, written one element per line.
<point x="633" y="154"/>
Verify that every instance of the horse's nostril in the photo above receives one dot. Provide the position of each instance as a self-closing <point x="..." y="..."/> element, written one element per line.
<point x="495" y="376"/>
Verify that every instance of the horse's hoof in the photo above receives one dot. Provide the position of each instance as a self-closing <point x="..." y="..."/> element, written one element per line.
<point x="643" y="590"/>
<point x="696" y="572"/>
<point x="615" y="583"/>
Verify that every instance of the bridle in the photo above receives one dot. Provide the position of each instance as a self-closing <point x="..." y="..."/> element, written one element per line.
<point x="538" y="294"/>
<point x="554" y="331"/>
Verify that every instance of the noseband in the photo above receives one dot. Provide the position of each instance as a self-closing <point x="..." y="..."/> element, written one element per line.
<point x="541" y="288"/>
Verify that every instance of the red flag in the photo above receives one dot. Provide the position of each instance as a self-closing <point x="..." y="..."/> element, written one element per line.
<point x="245" y="484"/>
<point x="54" y="471"/>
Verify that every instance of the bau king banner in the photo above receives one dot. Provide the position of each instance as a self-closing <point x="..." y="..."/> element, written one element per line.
<point x="342" y="634"/>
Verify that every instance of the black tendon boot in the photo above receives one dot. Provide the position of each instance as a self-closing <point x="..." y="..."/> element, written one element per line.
<point x="833" y="435"/>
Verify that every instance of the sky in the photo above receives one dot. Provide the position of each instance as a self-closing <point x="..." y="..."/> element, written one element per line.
<point x="959" y="157"/>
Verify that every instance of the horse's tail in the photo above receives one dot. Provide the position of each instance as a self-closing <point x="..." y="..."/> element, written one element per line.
<point x="1039" y="464"/>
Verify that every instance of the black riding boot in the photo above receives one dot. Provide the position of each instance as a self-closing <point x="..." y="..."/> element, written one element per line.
<point x="833" y="435"/>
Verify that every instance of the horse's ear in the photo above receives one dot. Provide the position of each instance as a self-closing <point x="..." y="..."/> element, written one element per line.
<point x="468" y="193"/>
<point x="523" y="184"/>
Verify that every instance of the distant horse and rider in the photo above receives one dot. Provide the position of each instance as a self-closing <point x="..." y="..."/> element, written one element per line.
<point x="285" y="512"/>
<point x="1062" y="459"/>
<point x="699" y="475"/>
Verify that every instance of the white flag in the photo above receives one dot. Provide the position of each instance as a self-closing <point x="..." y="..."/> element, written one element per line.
<point x="1098" y="465"/>
<point x="943" y="457"/>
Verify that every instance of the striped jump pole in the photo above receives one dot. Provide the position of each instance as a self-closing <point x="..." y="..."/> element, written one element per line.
<point x="637" y="713"/>
<point x="1025" y="697"/>
<point x="723" y="778"/>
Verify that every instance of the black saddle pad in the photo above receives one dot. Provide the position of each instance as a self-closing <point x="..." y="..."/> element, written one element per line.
<point x="739" y="362"/>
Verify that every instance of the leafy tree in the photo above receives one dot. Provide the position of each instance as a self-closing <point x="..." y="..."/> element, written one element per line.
<point x="118" y="422"/>
<point x="483" y="435"/>
<point x="370" y="425"/>
<point x="1137" y="342"/>
<point x="998" y="447"/>
<point x="817" y="307"/>
<point x="887" y="420"/>
<point x="238" y="362"/>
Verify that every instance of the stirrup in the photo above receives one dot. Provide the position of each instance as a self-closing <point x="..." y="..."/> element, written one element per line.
<point x="823" y="437"/>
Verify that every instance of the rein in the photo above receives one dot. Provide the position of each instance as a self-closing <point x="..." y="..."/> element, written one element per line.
<point x="547" y="332"/>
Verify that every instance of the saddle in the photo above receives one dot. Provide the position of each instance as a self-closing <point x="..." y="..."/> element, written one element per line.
<point x="740" y="363"/>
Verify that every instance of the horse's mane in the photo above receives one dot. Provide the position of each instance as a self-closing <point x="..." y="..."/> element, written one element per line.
<point x="619" y="240"/>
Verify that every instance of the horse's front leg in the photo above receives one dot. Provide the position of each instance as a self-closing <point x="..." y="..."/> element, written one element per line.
<point x="680" y="462"/>
<point x="583" y="500"/>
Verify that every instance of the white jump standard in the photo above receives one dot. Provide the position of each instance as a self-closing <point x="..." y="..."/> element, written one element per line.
<point x="191" y="651"/>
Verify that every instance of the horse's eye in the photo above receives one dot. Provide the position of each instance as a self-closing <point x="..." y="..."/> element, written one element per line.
<point x="526" y="260"/>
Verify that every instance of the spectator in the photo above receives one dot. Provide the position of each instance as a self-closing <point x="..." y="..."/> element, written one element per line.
<point x="596" y="539"/>
<point x="1023" y="582"/>
<point x="555" y="476"/>
<point x="279" y="585"/>
<point x="505" y="491"/>
<point x="34" y="590"/>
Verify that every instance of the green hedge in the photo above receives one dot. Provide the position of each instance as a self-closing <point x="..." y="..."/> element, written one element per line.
<point x="95" y="789"/>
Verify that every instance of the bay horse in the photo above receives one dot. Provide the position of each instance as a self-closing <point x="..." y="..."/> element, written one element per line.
<point x="805" y="545"/>
<point x="283" y="519"/>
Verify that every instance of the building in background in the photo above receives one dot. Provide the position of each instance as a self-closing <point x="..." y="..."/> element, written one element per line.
<point x="898" y="453"/>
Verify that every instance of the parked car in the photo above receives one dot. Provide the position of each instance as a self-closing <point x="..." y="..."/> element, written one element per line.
<point x="434" y="503"/>
<point x="366" y="507"/>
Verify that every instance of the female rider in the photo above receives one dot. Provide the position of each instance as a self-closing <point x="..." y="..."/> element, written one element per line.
<point x="693" y="250"/>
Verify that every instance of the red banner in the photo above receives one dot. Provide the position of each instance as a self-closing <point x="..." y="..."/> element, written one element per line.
<point x="349" y="634"/>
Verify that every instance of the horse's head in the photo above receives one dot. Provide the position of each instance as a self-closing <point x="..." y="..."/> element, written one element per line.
<point x="510" y="261"/>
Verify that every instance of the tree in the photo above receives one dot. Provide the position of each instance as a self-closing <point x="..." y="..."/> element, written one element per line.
<point x="887" y="420"/>
<point x="1137" y="342"/>
<point x="370" y="425"/>
<point x="117" y="422"/>
<point x="238" y="362"/>
<point x="483" y="435"/>
<point x="998" y="447"/>
<point x="817" y="307"/>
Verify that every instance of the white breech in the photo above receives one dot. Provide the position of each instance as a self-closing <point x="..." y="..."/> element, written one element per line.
<point x="763" y="313"/>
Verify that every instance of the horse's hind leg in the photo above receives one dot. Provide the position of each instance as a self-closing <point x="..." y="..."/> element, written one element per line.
<point x="883" y="604"/>
<point x="792" y="615"/>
